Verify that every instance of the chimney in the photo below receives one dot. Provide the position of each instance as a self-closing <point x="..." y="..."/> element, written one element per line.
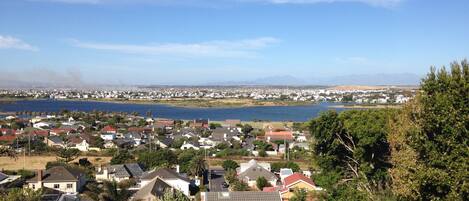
<point x="39" y="175"/>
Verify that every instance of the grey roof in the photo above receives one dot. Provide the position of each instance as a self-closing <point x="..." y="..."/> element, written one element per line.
<point x="255" y="172"/>
<point x="166" y="140"/>
<point x="119" y="171"/>
<point x="156" y="187"/>
<point x="126" y="170"/>
<point x="218" y="134"/>
<point x="59" y="173"/>
<point x="134" y="169"/>
<point x="3" y="176"/>
<point x="56" y="139"/>
<point x="242" y="196"/>
<point x="164" y="173"/>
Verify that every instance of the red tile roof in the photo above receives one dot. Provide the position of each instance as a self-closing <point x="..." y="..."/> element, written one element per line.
<point x="109" y="129"/>
<point x="7" y="138"/>
<point x="292" y="179"/>
<point x="275" y="135"/>
<point x="43" y="133"/>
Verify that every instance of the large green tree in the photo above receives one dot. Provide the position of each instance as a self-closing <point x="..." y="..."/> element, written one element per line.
<point x="430" y="142"/>
<point x="351" y="151"/>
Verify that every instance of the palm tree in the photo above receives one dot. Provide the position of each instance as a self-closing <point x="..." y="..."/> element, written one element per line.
<point x="198" y="166"/>
<point x="113" y="192"/>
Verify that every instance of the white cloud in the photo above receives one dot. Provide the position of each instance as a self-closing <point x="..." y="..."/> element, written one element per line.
<point x="219" y="48"/>
<point x="9" y="42"/>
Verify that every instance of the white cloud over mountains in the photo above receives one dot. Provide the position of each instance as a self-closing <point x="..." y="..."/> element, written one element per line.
<point x="9" y="42"/>
<point x="218" y="48"/>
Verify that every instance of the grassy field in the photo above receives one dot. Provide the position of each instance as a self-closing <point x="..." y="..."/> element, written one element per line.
<point x="39" y="162"/>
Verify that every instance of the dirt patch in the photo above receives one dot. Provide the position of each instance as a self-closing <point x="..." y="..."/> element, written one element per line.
<point x="39" y="162"/>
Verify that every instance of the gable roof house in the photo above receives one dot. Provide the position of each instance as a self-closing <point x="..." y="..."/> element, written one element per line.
<point x="119" y="172"/>
<point x="54" y="141"/>
<point x="171" y="177"/>
<point x="136" y="138"/>
<point x="164" y="142"/>
<point x="153" y="190"/>
<point x="60" y="178"/>
<point x="252" y="173"/>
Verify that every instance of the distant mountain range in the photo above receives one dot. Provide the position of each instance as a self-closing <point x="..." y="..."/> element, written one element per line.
<point x="287" y="80"/>
<point x="362" y="79"/>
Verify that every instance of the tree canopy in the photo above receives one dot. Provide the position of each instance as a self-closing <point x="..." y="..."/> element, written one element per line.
<point x="430" y="140"/>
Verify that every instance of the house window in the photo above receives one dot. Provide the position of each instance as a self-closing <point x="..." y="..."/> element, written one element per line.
<point x="69" y="185"/>
<point x="34" y="186"/>
<point x="56" y="185"/>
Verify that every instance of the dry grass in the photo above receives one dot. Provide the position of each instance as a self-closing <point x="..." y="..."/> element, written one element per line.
<point x="39" y="162"/>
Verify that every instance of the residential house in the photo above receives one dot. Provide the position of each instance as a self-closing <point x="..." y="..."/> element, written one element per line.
<point x="119" y="172"/>
<point x="240" y="196"/>
<point x="109" y="129"/>
<point x="190" y="145"/>
<point x="171" y="177"/>
<point x="79" y="143"/>
<point x="200" y="123"/>
<point x="252" y="162"/>
<point x="5" y="179"/>
<point x="164" y="123"/>
<point x="271" y="136"/>
<point x="153" y="190"/>
<point x="60" y="178"/>
<point x="291" y="183"/>
<point x="108" y="136"/>
<point x="252" y="173"/>
<point x="54" y="141"/>
<point x="135" y="137"/>
<point x="164" y="142"/>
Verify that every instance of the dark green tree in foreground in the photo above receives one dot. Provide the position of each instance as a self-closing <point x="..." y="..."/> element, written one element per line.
<point x="430" y="140"/>
<point x="351" y="151"/>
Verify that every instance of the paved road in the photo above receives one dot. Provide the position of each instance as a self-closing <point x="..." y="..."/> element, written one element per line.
<point x="217" y="179"/>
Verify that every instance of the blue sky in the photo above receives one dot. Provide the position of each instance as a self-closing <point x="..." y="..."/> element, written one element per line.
<point x="206" y="41"/>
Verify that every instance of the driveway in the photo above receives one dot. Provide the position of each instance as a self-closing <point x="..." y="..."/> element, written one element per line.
<point x="217" y="179"/>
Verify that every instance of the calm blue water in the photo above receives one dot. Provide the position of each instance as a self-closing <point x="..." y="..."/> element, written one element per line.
<point x="274" y="113"/>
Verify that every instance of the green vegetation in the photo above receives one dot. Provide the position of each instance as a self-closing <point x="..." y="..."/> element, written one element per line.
<point x="21" y="194"/>
<point x="121" y="157"/>
<point x="278" y="165"/>
<point x="230" y="165"/>
<point x="430" y="140"/>
<point x="262" y="182"/>
<point x="67" y="154"/>
<point x="419" y="152"/>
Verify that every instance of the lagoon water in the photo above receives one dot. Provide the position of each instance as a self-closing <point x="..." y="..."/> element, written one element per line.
<point x="271" y="113"/>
